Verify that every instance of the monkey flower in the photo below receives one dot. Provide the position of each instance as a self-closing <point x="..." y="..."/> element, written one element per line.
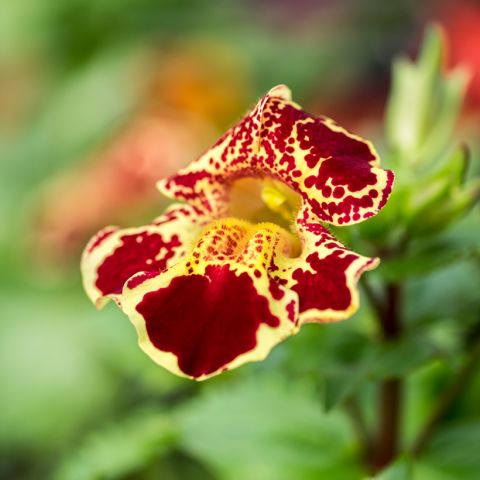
<point x="243" y="259"/>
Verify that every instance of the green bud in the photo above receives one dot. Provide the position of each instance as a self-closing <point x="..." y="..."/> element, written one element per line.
<point x="424" y="104"/>
<point x="440" y="214"/>
<point x="432" y="188"/>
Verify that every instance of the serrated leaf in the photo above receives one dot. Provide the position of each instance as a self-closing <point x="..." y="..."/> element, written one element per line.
<point x="121" y="449"/>
<point x="267" y="428"/>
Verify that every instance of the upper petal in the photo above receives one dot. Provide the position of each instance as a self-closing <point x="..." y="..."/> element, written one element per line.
<point x="113" y="255"/>
<point x="217" y="308"/>
<point x="336" y="173"/>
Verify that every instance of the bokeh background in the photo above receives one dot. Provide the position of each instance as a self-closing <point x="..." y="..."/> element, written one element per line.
<point x="98" y="99"/>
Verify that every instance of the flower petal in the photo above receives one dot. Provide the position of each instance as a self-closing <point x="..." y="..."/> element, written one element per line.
<point x="113" y="255"/>
<point x="217" y="308"/>
<point x="337" y="174"/>
<point x="325" y="274"/>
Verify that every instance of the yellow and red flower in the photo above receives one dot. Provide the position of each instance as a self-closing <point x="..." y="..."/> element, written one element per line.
<point x="207" y="288"/>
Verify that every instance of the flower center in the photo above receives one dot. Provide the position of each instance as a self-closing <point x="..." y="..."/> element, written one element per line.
<point x="264" y="200"/>
<point x="235" y="241"/>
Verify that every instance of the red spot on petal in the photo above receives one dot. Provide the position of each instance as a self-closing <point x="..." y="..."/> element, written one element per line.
<point x="310" y="181"/>
<point x="275" y="290"/>
<point x="326" y="191"/>
<point x="339" y="192"/>
<point x="291" y="311"/>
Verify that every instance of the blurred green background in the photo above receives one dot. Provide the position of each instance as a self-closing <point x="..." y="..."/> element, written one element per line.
<point x="98" y="99"/>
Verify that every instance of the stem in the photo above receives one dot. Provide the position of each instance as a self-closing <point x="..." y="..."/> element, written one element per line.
<point x="390" y="396"/>
<point x="390" y="320"/>
<point x="390" y="408"/>
<point x="447" y="400"/>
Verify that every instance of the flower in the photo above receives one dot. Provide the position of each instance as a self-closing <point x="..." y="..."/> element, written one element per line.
<point x="209" y="290"/>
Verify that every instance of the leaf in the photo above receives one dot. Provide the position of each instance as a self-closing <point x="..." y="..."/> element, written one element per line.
<point x="340" y="385"/>
<point x="347" y="369"/>
<point x="447" y="294"/>
<point x="386" y="360"/>
<point x="121" y="449"/>
<point x="398" y="358"/>
<point x="424" y="470"/>
<point x="427" y="257"/>
<point x="455" y="450"/>
<point x="344" y="375"/>
<point x="267" y="428"/>
<point x="400" y="470"/>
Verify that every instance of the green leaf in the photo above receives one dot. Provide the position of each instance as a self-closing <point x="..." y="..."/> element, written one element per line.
<point x="421" y="261"/>
<point x="344" y="377"/>
<point x="455" y="450"/>
<point x="398" y="358"/>
<point x="424" y="470"/>
<point x="121" y="449"/>
<point x="448" y="294"/>
<point x="339" y="385"/>
<point x="267" y="428"/>
<point x="385" y="360"/>
<point x="400" y="470"/>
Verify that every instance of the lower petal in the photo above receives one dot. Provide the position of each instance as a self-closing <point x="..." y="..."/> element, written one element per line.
<point x="217" y="309"/>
